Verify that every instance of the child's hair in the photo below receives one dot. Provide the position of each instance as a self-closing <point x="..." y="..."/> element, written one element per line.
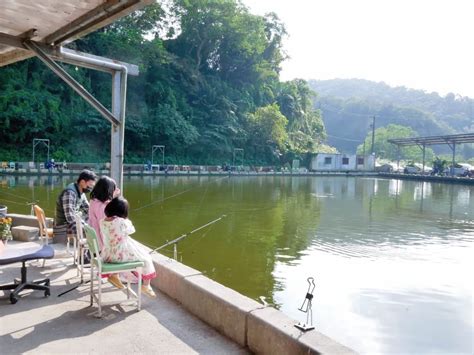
<point x="118" y="207"/>
<point x="103" y="189"/>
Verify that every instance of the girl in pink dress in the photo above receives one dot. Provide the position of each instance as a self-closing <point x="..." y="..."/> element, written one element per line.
<point x="104" y="190"/>
<point x="119" y="246"/>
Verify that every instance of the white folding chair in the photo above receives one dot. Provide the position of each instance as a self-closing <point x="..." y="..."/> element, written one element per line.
<point x="81" y="244"/>
<point x="69" y="238"/>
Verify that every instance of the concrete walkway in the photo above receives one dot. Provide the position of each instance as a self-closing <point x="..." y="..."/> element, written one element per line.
<point x="67" y="324"/>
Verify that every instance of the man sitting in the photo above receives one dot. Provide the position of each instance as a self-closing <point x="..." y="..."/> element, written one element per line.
<point x="71" y="201"/>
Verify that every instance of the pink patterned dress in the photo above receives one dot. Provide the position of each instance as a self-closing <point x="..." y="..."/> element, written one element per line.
<point x="96" y="213"/>
<point x="119" y="247"/>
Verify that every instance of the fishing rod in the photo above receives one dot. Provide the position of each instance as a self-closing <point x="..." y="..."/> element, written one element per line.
<point x="174" y="241"/>
<point x="183" y="236"/>
<point x="75" y="287"/>
<point x="31" y="204"/>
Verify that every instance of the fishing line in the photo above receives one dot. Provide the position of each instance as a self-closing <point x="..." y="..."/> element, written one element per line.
<point x="198" y="240"/>
<point x="17" y="203"/>
<point x="252" y="209"/>
<point x="16" y="196"/>
<point x="175" y="195"/>
<point x="28" y="203"/>
<point x="183" y="236"/>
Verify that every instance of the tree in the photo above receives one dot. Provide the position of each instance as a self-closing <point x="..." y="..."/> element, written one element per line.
<point x="268" y="127"/>
<point x="209" y="82"/>
<point x="305" y="126"/>
<point x="385" y="150"/>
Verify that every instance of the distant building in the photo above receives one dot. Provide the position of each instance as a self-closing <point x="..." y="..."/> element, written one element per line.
<point x="342" y="162"/>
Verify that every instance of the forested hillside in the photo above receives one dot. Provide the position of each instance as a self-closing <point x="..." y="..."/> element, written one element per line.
<point x="348" y="106"/>
<point x="209" y="83"/>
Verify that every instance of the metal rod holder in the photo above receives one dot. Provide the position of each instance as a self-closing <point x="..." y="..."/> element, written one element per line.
<point x="307" y="307"/>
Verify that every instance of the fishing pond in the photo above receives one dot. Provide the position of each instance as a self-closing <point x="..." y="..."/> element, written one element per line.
<point x="392" y="260"/>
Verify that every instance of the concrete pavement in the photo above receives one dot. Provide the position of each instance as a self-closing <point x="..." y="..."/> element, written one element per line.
<point x="67" y="324"/>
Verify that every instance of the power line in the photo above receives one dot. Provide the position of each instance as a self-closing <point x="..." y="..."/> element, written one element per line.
<point x="345" y="139"/>
<point x="343" y="112"/>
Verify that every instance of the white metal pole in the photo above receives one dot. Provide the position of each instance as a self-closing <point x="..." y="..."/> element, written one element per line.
<point x="119" y="83"/>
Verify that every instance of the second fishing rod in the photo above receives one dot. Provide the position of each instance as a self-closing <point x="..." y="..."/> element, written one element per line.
<point x="175" y="241"/>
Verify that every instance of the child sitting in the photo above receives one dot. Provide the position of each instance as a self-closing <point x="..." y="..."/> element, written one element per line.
<point x="119" y="247"/>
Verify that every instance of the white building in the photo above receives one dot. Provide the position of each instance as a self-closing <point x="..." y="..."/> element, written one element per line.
<point x="342" y="162"/>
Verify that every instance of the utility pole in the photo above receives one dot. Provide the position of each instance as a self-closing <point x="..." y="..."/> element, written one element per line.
<point x="373" y="134"/>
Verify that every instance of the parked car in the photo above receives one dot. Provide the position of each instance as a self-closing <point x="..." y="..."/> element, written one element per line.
<point x="460" y="169"/>
<point x="412" y="169"/>
<point x="384" y="168"/>
<point x="417" y="168"/>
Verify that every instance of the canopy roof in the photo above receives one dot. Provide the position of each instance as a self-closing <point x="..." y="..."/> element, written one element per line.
<point x="433" y="140"/>
<point x="53" y="22"/>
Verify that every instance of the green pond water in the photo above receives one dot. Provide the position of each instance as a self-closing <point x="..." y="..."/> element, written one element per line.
<point x="392" y="259"/>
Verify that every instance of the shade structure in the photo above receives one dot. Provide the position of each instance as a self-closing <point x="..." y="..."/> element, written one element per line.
<point x="40" y="28"/>
<point x="53" y="22"/>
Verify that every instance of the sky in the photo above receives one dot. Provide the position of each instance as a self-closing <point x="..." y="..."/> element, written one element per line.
<point x="419" y="44"/>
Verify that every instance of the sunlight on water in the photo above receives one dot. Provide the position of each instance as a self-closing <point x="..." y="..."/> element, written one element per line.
<point x="392" y="259"/>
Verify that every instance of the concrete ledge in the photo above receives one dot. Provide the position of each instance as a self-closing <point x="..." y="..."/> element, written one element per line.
<point x="247" y="322"/>
<point x="323" y="344"/>
<point x="25" y="233"/>
<point x="272" y="332"/>
<point x="171" y="276"/>
<point x="27" y="220"/>
<point x="223" y="308"/>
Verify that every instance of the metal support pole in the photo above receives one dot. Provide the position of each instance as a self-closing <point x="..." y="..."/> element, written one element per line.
<point x="37" y="141"/>
<point x="373" y="135"/>
<point x="119" y="89"/>
<point x="454" y="159"/>
<point x="398" y="158"/>
<point x="162" y="150"/>
<point x="59" y="71"/>
<point x="424" y="151"/>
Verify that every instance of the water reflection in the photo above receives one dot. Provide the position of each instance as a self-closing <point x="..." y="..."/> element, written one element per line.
<point x="392" y="259"/>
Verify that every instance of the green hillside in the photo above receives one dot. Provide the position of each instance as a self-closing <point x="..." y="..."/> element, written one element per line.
<point x="208" y="83"/>
<point x="348" y="105"/>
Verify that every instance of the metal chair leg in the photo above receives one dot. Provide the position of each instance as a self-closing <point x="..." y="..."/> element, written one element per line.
<point x="82" y="250"/>
<point x="139" y="289"/>
<point x="92" y="283"/>
<point x="74" y="243"/>
<point x="99" y="276"/>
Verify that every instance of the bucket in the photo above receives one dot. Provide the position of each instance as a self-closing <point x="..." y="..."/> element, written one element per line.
<point x="3" y="211"/>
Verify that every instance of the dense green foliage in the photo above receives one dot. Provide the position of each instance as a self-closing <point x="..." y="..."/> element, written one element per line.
<point x="208" y="83"/>
<point x="349" y="105"/>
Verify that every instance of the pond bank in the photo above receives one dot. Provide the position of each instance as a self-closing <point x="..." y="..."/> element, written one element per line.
<point x="247" y="323"/>
<point x="429" y="178"/>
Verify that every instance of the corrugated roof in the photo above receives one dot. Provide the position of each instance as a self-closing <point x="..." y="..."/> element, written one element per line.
<point x="56" y="22"/>
<point x="433" y="140"/>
